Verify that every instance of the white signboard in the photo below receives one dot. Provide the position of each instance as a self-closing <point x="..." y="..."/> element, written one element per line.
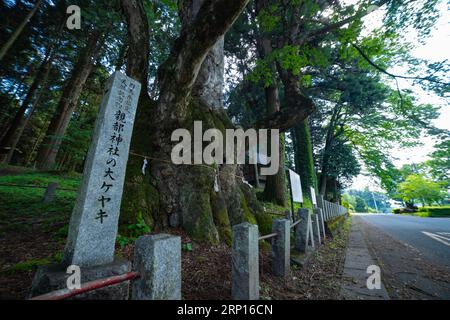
<point x="313" y="196"/>
<point x="296" y="186"/>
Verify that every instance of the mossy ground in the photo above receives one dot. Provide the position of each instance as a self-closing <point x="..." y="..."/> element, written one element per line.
<point x="32" y="233"/>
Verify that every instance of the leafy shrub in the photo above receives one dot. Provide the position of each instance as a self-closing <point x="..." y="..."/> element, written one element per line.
<point x="124" y="241"/>
<point x="436" y="211"/>
<point x="134" y="231"/>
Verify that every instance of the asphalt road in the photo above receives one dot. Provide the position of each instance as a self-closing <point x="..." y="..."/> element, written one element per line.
<point x="431" y="236"/>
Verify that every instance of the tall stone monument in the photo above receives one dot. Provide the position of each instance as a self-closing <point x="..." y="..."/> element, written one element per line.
<point x="94" y="222"/>
<point x="93" y="225"/>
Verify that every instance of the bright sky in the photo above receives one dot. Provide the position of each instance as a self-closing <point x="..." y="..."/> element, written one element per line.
<point x="436" y="48"/>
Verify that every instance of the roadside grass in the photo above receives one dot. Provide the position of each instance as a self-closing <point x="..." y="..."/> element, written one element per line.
<point x="436" y="212"/>
<point x="431" y="212"/>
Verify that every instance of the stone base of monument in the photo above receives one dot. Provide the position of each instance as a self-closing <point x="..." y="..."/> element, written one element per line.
<point x="54" y="277"/>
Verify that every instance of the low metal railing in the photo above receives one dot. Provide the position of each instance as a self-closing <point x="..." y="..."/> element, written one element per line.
<point x="87" y="287"/>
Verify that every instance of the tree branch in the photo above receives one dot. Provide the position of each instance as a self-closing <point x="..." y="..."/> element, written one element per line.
<point x="373" y="64"/>
<point x="138" y="44"/>
<point x="179" y="72"/>
<point x="297" y="107"/>
<point x="331" y="27"/>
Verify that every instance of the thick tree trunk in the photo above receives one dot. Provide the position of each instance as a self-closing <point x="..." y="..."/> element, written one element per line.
<point x="296" y="109"/>
<point x="324" y="167"/>
<point x="137" y="47"/>
<point x="4" y="49"/>
<point x="326" y="151"/>
<point x="275" y="188"/>
<point x="323" y="184"/>
<point x="121" y="57"/>
<point x="50" y="146"/>
<point x="304" y="163"/>
<point x="191" y="84"/>
<point x="300" y="108"/>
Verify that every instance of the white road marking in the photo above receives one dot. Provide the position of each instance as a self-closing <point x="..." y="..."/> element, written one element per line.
<point x="438" y="237"/>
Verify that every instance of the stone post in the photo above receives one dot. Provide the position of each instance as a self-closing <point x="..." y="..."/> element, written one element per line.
<point x="281" y="248"/>
<point x="302" y="231"/>
<point x="316" y="226"/>
<point x="319" y="213"/>
<point x="49" y="194"/>
<point x="329" y="215"/>
<point x="310" y="231"/>
<point x="245" y="262"/>
<point x="157" y="258"/>
<point x="288" y="215"/>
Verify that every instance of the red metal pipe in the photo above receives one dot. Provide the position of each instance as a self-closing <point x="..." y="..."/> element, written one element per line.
<point x="88" y="286"/>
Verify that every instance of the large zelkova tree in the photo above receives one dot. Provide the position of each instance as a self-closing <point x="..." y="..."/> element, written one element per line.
<point x="190" y="85"/>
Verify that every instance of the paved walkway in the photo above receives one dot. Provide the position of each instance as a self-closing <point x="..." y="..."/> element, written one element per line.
<point x="355" y="274"/>
<point x="409" y="271"/>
